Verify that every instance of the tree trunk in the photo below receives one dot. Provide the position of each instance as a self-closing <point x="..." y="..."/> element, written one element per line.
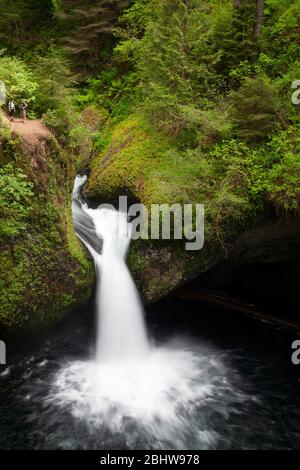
<point x="237" y="4"/>
<point x="259" y="18"/>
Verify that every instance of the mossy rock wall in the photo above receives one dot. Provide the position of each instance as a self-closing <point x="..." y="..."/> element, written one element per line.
<point x="45" y="272"/>
<point x="132" y="164"/>
<point x="140" y="162"/>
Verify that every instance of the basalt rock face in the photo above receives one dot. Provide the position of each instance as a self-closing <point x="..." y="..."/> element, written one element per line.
<point x="158" y="270"/>
<point x="269" y="242"/>
<point x="45" y="272"/>
<point x="133" y="164"/>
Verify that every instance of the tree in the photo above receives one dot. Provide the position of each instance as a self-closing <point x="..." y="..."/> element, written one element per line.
<point x="259" y="18"/>
<point x="88" y="27"/>
<point x="55" y="81"/>
<point x="19" y="80"/>
<point x="237" y="42"/>
<point x="254" y="111"/>
<point x="23" y="21"/>
<point x="237" y="4"/>
<point x="174" y="62"/>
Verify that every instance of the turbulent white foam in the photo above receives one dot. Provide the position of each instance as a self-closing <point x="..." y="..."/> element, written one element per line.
<point x="160" y="396"/>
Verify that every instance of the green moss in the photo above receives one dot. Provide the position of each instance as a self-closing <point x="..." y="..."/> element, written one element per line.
<point x="45" y="271"/>
<point x="135" y="261"/>
<point x="125" y="163"/>
<point x="235" y="183"/>
<point x="75" y="247"/>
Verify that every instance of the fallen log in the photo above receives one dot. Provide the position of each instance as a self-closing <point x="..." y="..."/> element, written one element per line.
<point x="222" y="299"/>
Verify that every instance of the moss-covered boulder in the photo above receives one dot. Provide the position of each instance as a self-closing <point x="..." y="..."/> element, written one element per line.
<point x="45" y="272"/>
<point x="126" y="163"/>
<point x="233" y="181"/>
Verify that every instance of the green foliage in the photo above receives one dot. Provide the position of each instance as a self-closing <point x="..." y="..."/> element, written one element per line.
<point x="271" y="172"/>
<point x="46" y="85"/>
<point x="173" y="66"/>
<point x="16" y="194"/>
<point x="137" y="17"/>
<point x="18" y="78"/>
<point x="57" y="5"/>
<point x="55" y="81"/>
<point x="56" y="96"/>
<point x="281" y="172"/>
<point x="254" y="111"/>
<point x="281" y="34"/>
<point x="88" y="30"/>
<point x="189" y="54"/>
<point x="24" y="24"/>
<point x="36" y="234"/>
<point x="176" y="100"/>
<point x="133" y="24"/>
<point x="216" y="98"/>
<point x="283" y="184"/>
<point x="237" y="41"/>
<point x="110" y="91"/>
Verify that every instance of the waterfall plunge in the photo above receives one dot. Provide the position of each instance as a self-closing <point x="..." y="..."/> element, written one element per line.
<point x="151" y="397"/>
<point x="121" y="330"/>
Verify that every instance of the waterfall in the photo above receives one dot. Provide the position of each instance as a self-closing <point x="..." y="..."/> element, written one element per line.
<point x="147" y="397"/>
<point x="121" y="331"/>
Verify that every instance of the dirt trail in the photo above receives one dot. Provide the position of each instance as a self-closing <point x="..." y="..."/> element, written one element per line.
<point x="31" y="131"/>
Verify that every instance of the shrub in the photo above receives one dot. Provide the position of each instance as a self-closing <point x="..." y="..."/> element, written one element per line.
<point x="254" y="111"/>
<point x="16" y="193"/>
<point x="19" y="80"/>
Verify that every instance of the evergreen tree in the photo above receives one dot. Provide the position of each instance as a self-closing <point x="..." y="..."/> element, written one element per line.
<point x="259" y="18"/>
<point x="237" y="42"/>
<point x="254" y="114"/>
<point x="174" y="61"/>
<point x="55" y="81"/>
<point x="88" y="27"/>
<point x="22" y="22"/>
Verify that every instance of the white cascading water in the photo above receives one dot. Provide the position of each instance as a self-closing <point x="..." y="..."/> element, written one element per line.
<point x="121" y="330"/>
<point x="151" y="396"/>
